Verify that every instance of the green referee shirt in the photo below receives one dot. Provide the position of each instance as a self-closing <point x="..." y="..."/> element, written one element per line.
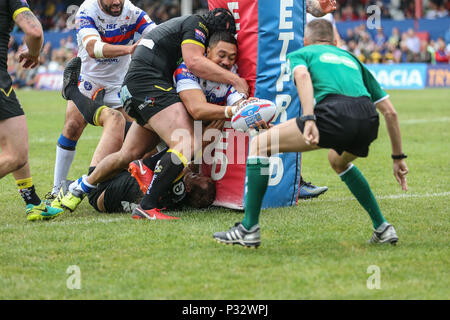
<point x="335" y="71"/>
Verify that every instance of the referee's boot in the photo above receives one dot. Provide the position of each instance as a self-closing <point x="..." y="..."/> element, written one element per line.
<point x="71" y="75"/>
<point x="309" y="191"/>
<point x="384" y="234"/>
<point x="240" y="235"/>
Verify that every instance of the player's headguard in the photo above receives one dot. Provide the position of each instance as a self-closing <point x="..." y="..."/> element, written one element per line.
<point x="220" y="19"/>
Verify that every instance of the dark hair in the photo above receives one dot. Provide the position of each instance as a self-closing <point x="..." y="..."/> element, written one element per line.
<point x="221" y="36"/>
<point x="201" y="195"/>
<point x="220" y="19"/>
<point x="319" y="30"/>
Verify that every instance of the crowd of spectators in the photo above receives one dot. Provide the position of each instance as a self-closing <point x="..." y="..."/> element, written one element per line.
<point x="353" y="10"/>
<point x="395" y="47"/>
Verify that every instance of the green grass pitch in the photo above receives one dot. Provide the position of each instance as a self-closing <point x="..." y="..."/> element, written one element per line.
<point x="316" y="250"/>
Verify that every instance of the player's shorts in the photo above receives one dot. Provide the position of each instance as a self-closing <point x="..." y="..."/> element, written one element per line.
<point x="346" y="124"/>
<point x="123" y="187"/>
<point x="89" y="87"/>
<point x="143" y="103"/>
<point x="9" y="105"/>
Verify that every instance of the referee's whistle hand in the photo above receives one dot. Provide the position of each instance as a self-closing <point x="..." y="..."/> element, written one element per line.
<point x="400" y="172"/>
<point x="311" y="133"/>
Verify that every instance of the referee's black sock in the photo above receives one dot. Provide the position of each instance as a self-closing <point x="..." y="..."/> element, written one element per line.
<point x="167" y="170"/>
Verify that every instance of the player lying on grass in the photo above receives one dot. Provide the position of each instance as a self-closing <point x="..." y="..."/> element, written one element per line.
<point x="124" y="191"/>
<point x="344" y="120"/>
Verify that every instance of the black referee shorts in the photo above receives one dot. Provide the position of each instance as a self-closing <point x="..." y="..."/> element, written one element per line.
<point x="9" y="105"/>
<point x="346" y="124"/>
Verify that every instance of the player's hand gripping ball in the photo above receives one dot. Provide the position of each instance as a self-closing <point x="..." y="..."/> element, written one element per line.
<point x="252" y="111"/>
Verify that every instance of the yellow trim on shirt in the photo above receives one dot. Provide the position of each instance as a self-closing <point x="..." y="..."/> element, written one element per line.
<point x="180" y="156"/>
<point x="161" y="88"/>
<point x="20" y="10"/>
<point x="194" y="42"/>
<point x="9" y="92"/>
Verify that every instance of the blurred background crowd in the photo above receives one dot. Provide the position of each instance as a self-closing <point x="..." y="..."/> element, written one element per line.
<point x="382" y="46"/>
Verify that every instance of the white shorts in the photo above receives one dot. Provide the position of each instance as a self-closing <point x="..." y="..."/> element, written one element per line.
<point x="88" y="87"/>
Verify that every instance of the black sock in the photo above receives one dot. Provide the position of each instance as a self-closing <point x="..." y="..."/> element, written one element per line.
<point x="151" y="162"/>
<point x="29" y="196"/>
<point x="86" y="106"/>
<point x="166" y="172"/>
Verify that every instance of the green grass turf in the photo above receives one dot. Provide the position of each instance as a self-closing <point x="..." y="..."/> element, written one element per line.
<point x="316" y="250"/>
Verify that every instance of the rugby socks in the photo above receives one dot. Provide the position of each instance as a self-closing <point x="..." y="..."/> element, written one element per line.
<point x="81" y="185"/>
<point x="257" y="178"/>
<point x="151" y="161"/>
<point x="360" y="188"/>
<point x="65" y="153"/>
<point x="166" y="171"/>
<point x="27" y="191"/>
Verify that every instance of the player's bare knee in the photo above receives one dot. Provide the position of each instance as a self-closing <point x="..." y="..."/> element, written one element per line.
<point x="113" y="118"/>
<point x="73" y="128"/>
<point x="260" y="147"/>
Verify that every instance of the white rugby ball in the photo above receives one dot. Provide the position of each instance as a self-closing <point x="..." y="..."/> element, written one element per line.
<point x="251" y="112"/>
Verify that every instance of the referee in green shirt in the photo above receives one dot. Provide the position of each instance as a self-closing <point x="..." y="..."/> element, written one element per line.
<point x="339" y="97"/>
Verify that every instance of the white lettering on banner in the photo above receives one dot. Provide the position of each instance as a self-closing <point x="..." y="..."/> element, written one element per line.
<point x="284" y="13"/>
<point x="232" y="6"/>
<point x="399" y="78"/>
<point x="282" y="100"/>
<point x="275" y="163"/>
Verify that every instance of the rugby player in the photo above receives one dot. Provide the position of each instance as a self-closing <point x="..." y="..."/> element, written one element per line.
<point x="105" y="34"/>
<point x="149" y="96"/>
<point x="13" y="126"/>
<point x="344" y="120"/>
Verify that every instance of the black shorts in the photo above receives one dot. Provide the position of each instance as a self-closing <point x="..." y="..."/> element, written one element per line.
<point x="9" y="105"/>
<point x="123" y="187"/>
<point x="144" y="103"/>
<point x="346" y="124"/>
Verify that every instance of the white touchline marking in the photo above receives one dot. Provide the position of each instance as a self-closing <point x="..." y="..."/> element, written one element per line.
<point x="57" y="222"/>
<point x="415" y="121"/>
<point x="394" y="196"/>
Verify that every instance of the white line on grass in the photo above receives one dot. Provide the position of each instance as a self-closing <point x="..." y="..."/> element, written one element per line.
<point x="85" y="221"/>
<point x="415" y="121"/>
<point x="395" y="196"/>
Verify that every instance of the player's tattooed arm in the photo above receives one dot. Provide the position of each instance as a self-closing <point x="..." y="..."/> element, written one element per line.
<point x="34" y="38"/>
<point x="319" y="8"/>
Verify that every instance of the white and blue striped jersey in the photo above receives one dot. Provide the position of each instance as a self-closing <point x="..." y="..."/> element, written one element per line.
<point x="216" y="93"/>
<point x="120" y="30"/>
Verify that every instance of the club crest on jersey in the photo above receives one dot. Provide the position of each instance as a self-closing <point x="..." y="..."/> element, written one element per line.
<point x="124" y="29"/>
<point x="88" y="85"/>
<point x="199" y="35"/>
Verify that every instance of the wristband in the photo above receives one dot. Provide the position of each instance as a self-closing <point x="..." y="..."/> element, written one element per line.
<point x="399" y="156"/>
<point x="98" y="49"/>
<point x="226" y="112"/>
<point x="308" y="117"/>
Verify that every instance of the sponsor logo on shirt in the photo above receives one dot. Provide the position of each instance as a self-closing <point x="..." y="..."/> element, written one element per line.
<point x="199" y="35"/>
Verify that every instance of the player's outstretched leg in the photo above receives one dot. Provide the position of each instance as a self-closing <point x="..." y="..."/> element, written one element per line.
<point x="359" y="187"/>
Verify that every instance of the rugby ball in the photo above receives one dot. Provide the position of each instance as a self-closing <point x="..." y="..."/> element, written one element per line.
<point x="251" y="112"/>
